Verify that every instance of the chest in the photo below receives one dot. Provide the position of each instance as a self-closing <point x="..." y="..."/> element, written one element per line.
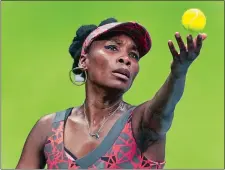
<point x="77" y="138"/>
<point x="114" y="149"/>
<point x="117" y="149"/>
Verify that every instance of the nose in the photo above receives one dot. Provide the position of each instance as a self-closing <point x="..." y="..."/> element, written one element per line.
<point x="124" y="60"/>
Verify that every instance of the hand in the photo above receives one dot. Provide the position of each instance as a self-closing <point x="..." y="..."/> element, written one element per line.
<point x="188" y="53"/>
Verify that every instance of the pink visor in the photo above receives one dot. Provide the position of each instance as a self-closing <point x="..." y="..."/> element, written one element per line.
<point x="137" y="32"/>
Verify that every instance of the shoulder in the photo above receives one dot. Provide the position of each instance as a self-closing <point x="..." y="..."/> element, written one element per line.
<point x="48" y="119"/>
<point x="143" y="134"/>
<point x="43" y="126"/>
<point x="32" y="152"/>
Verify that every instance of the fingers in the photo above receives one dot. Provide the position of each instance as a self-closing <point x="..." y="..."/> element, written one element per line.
<point x="191" y="51"/>
<point x="180" y="42"/>
<point x="198" y="44"/>
<point x="190" y="43"/>
<point x="173" y="50"/>
<point x="203" y="35"/>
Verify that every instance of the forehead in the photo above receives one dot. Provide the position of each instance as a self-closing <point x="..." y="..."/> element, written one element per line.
<point x="123" y="39"/>
<point x="118" y="37"/>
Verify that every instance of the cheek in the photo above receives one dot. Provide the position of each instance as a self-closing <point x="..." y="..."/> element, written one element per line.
<point x="99" y="65"/>
<point x="135" y="69"/>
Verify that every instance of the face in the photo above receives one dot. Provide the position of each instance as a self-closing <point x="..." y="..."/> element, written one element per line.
<point x="112" y="63"/>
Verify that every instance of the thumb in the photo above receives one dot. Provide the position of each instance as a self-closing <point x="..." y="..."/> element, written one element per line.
<point x="204" y="36"/>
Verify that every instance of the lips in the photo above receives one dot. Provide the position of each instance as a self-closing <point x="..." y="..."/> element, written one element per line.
<point x="123" y="71"/>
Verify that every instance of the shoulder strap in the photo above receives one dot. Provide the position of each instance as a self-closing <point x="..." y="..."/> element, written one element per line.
<point x="62" y="115"/>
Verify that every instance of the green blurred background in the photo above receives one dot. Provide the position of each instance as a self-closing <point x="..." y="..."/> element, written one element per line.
<point x="36" y="62"/>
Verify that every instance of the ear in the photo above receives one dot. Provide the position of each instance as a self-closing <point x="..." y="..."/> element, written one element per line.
<point x="83" y="62"/>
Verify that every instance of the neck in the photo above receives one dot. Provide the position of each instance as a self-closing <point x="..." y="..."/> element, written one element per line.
<point x="100" y="103"/>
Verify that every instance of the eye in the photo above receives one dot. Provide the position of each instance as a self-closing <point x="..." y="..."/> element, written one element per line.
<point x="134" y="55"/>
<point x="111" y="47"/>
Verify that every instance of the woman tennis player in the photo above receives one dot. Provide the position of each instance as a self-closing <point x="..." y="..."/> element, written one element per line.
<point x="104" y="131"/>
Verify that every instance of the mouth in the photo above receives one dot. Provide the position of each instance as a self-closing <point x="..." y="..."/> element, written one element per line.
<point x="122" y="73"/>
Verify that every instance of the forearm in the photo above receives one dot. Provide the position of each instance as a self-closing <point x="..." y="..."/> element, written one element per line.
<point x="159" y="111"/>
<point x="168" y="96"/>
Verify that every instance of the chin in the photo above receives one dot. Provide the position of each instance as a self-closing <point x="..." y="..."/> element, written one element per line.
<point x="119" y="85"/>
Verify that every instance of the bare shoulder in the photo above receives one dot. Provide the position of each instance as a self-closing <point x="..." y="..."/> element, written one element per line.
<point x="32" y="155"/>
<point x="43" y="125"/>
<point x="149" y="142"/>
<point x="46" y="119"/>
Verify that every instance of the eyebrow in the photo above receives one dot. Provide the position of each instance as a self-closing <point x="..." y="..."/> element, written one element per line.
<point x="119" y="42"/>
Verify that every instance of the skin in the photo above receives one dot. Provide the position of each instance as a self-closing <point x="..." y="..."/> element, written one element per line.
<point x="104" y="90"/>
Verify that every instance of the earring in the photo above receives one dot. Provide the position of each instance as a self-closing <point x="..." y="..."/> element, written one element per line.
<point x="79" y="79"/>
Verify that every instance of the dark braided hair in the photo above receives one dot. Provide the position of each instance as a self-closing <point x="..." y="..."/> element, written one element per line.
<point x="81" y="34"/>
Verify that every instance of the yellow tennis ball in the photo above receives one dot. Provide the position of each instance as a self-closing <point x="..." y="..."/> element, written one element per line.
<point x="194" y="20"/>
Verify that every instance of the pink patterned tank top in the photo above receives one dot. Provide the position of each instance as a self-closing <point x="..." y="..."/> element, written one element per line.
<point x="118" y="150"/>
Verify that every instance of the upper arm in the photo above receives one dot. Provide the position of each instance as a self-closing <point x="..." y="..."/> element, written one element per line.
<point x="148" y="126"/>
<point x="150" y="117"/>
<point x="32" y="156"/>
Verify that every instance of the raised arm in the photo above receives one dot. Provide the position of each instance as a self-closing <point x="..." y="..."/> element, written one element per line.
<point x="157" y="114"/>
<point x="32" y="156"/>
